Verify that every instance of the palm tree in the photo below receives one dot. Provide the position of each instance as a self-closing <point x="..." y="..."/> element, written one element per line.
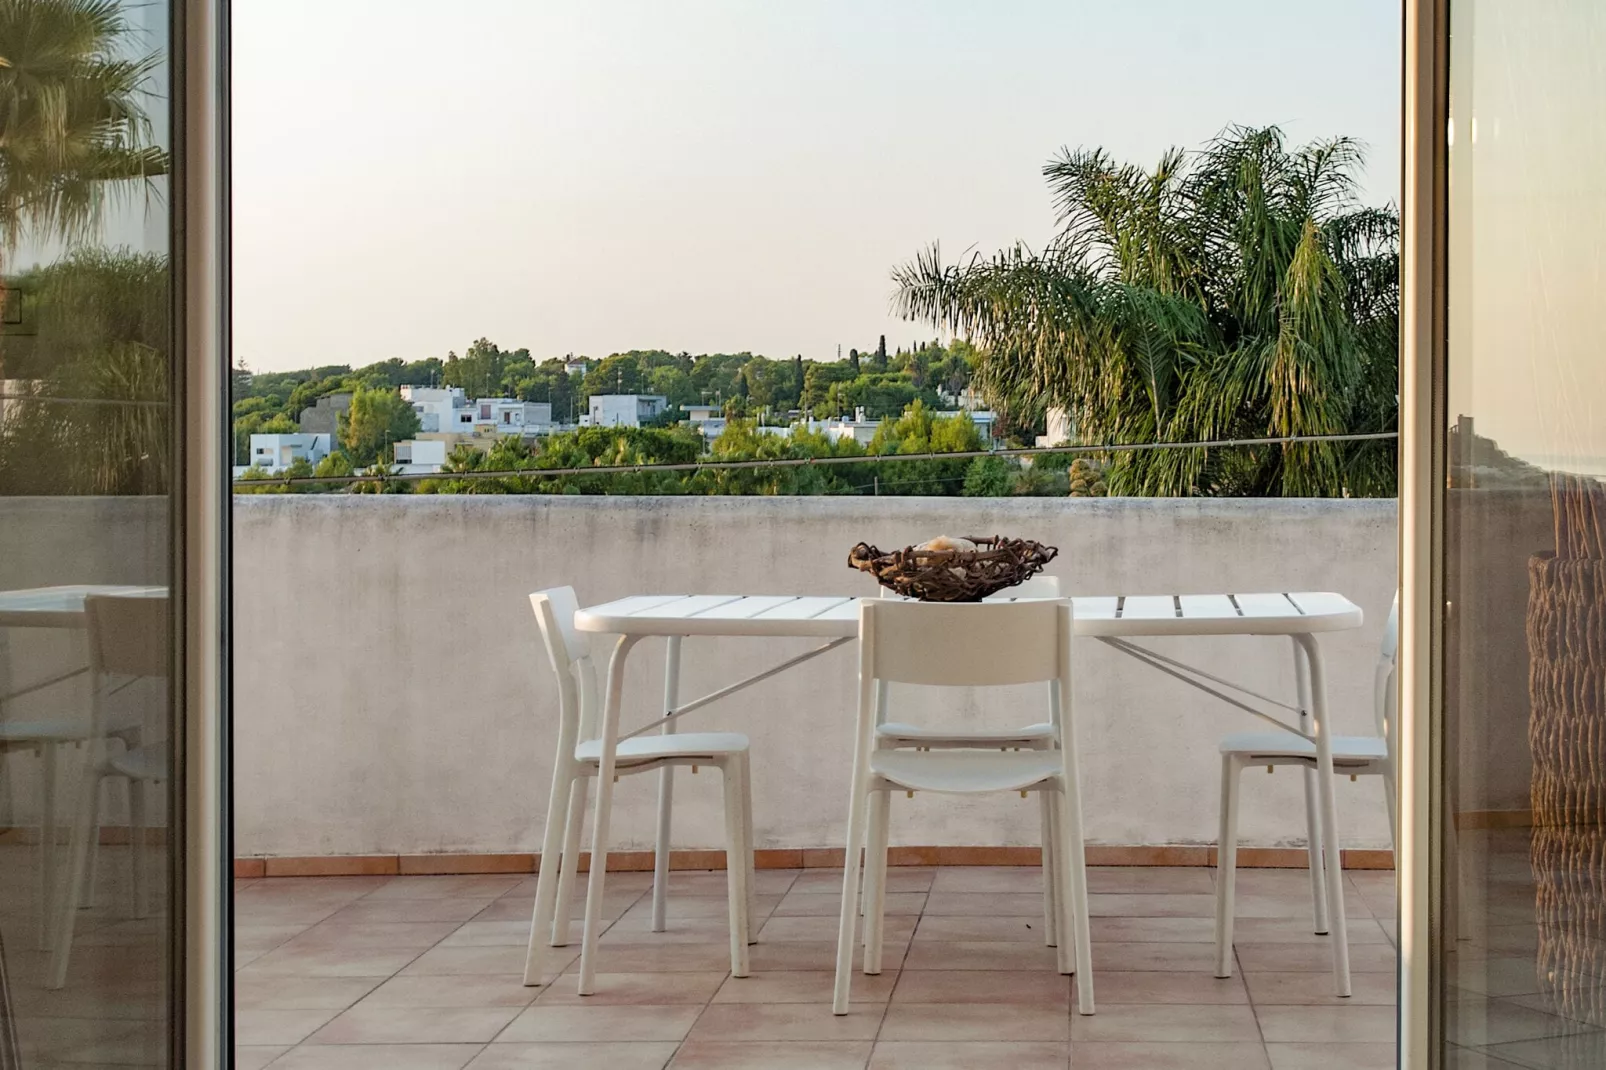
<point x="1241" y="291"/>
<point x="72" y="118"/>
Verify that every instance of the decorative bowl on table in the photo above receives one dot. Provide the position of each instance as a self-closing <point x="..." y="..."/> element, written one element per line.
<point x="954" y="569"/>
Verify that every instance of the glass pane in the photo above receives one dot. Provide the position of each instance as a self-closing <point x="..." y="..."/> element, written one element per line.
<point x="86" y="425"/>
<point x="1524" y="971"/>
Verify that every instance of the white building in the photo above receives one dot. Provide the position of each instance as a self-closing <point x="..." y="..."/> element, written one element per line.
<point x="274" y="453"/>
<point x="445" y="410"/>
<point x="624" y="410"/>
<point x="421" y="456"/>
<point x="577" y="366"/>
<point x="1060" y="429"/>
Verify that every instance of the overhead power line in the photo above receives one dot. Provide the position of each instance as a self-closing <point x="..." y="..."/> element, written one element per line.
<point x="804" y="462"/>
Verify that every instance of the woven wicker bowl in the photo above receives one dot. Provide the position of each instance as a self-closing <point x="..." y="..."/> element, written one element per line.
<point x="997" y="563"/>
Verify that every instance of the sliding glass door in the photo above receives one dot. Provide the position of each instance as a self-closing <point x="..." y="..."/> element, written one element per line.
<point x="109" y="558"/>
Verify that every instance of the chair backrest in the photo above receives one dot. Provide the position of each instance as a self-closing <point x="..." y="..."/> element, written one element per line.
<point x="1385" y="696"/>
<point x="129" y="637"/>
<point x="570" y="657"/>
<point x="979" y="644"/>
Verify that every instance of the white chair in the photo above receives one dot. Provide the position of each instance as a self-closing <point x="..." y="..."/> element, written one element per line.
<point x="1038" y="736"/>
<point x="578" y="758"/>
<point x="44" y="739"/>
<point x="975" y="645"/>
<point x="1356" y="755"/>
<point x="128" y="638"/>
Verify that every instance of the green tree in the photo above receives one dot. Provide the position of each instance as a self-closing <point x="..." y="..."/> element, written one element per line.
<point x="1238" y="292"/>
<point x="377" y="420"/>
<point x="72" y="115"/>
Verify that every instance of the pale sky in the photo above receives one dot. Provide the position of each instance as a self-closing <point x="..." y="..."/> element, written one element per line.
<point x="713" y="175"/>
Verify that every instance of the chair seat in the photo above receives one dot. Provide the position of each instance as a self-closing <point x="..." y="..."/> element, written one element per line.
<point x="986" y="737"/>
<point x="142" y="763"/>
<point x="657" y="748"/>
<point x="965" y="772"/>
<point x="1346" y="749"/>
<point x="63" y="730"/>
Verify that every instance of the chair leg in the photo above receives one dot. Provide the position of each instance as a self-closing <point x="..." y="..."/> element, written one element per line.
<point x="84" y="827"/>
<point x="1391" y="802"/>
<point x="748" y="853"/>
<point x="1074" y="926"/>
<point x="1051" y="908"/>
<point x="136" y="846"/>
<point x="47" y="841"/>
<point x="562" y="920"/>
<point x="1317" y="853"/>
<point x="875" y="880"/>
<point x="849" y="920"/>
<point x="1227" y="862"/>
<point x="548" y="875"/>
<point x="736" y="864"/>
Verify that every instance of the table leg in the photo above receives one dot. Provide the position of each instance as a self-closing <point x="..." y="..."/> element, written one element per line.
<point x="606" y="763"/>
<point x="1313" y="824"/>
<point x="1334" y="871"/>
<point x="666" y="790"/>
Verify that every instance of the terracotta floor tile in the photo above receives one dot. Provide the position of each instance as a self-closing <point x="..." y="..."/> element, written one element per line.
<point x="377" y="1057"/>
<point x="1134" y="905"/>
<point x="466" y="886"/>
<point x="1188" y="958"/>
<point x="1291" y="989"/>
<point x="786" y="1021"/>
<point x="823" y="927"/>
<point x="368" y="936"/>
<point x="972" y="1021"/>
<point x="454" y="990"/>
<point x="250" y="939"/>
<point x="1314" y="958"/>
<point x="629" y="989"/>
<point x="1006" y="929"/>
<point x="1154" y="930"/>
<point x="1556" y="1053"/>
<point x="645" y="957"/>
<point x="771" y="954"/>
<point x="1483" y="1022"/>
<point x="411" y="1025"/>
<point x="983" y="986"/>
<point x="331" y="962"/>
<point x="1285" y="906"/>
<point x="979" y="955"/>
<point x="1166" y="1023"/>
<point x="899" y="879"/>
<point x="1152" y="1056"/>
<point x="696" y="906"/>
<point x="484" y="960"/>
<point x="1358" y="1024"/>
<point x="1154" y="986"/>
<point x="802" y="986"/>
<point x="390" y="911"/>
<point x="1151" y="879"/>
<point x="300" y="993"/>
<point x="828" y="904"/>
<point x="512" y="908"/>
<point x="255" y="1057"/>
<point x="1331" y="1056"/>
<point x="576" y="1055"/>
<point x="1023" y="880"/>
<point x="985" y="904"/>
<point x="489" y="934"/>
<point x="969" y="1055"/>
<point x="772" y="1055"/>
<point x="601" y="1023"/>
<point x="1299" y="931"/>
<point x="253" y="1025"/>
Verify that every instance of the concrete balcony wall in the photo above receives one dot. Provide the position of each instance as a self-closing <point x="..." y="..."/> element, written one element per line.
<point x="391" y="697"/>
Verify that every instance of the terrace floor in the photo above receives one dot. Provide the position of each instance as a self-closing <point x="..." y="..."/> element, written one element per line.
<point x="423" y="972"/>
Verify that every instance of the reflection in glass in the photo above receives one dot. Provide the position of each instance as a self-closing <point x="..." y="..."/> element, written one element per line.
<point x="1524" y="973"/>
<point x="86" y="426"/>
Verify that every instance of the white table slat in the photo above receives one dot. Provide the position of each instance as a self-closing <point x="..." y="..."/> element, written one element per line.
<point x="1148" y="607"/>
<point x="693" y="605"/>
<point x="847" y="611"/>
<point x="1317" y="603"/>
<point x="753" y="605"/>
<point x="1265" y="605"/>
<point x="810" y="607"/>
<point x="636" y="603"/>
<point x="1211" y="606"/>
<point x="1096" y="607"/>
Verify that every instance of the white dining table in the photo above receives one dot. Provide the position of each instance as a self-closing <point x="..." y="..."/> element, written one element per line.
<point x="1116" y="620"/>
